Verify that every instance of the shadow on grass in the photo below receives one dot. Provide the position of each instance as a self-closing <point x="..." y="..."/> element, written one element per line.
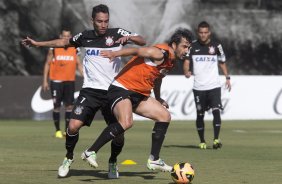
<point x="102" y="174"/>
<point x="184" y="146"/>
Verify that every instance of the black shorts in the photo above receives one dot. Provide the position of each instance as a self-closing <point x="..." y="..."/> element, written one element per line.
<point x="116" y="94"/>
<point x="62" y="92"/>
<point x="207" y="99"/>
<point x="88" y="103"/>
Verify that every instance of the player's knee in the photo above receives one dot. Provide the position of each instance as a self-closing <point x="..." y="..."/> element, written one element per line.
<point x="126" y="123"/>
<point x="74" y="126"/>
<point x="200" y="116"/>
<point x="164" y="116"/>
<point x="200" y="120"/>
<point x="56" y="108"/>
<point x="216" y="115"/>
<point x="69" y="108"/>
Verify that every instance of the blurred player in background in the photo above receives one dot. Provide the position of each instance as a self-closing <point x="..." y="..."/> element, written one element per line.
<point x="60" y="66"/>
<point x="204" y="58"/>
<point x="131" y="89"/>
<point x="98" y="74"/>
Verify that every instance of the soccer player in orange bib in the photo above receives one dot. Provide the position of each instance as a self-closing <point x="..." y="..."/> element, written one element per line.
<point x="131" y="89"/>
<point x="60" y="66"/>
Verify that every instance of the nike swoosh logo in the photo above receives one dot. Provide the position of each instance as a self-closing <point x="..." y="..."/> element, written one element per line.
<point x="112" y="134"/>
<point x="162" y="164"/>
<point x="197" y="50"/>
<point x="40" y="105"/>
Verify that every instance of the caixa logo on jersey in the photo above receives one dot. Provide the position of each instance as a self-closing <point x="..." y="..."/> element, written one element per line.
<point x="92" y="52"/>
<point x="205" y="58"/>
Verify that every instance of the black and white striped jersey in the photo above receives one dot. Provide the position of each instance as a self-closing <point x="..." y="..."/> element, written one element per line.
<point x="204" y="62"/>
<point x="98" y="71"/>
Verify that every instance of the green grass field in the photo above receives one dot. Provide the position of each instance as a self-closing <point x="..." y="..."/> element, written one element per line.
<point x="251" y="154"/>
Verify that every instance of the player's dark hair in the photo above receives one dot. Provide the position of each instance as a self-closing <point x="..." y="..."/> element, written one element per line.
<point x="180" y="33"/>
<point x="204" y="24"/>
<point x="100" y="8"/>
<point x="66" y="30"/>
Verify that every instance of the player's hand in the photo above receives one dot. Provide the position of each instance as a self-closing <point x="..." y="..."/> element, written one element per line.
<point x="107" y="54"/>
<point x="45" y="86"/>
<point x="123" y="40"/>
<point x="188" y="74"/>
<point x="164" y="103"/>
<point x="28" y="42"/>
<point x="228" y="85"/>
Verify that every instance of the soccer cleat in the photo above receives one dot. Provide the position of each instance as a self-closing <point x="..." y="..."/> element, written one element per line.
<point x="158" y="165"/>
<point x="113" y="171"/>
<point x="217" y="144"/>
<point x="203" y="145"/>
<point x="65" y="167"/>
<point x="59" y="134"/>
<point x="90" y="157"/>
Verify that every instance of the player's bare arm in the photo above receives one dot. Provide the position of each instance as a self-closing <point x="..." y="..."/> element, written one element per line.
<point x="147" y="52"/>
<point x="186" y="68"/>
<point x="28" y="42"/>
<point x="79" y="66"/>
<point x="223" y="67"/>
<point x="138" y="40"/>
<point x="45" y="84"/>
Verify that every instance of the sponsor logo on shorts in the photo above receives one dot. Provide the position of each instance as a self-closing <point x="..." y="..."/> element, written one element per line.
<point x="78" y="110"/>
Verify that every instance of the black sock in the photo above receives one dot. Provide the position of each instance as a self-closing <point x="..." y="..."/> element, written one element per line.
<point x="67" y="119"/>
<point x="216" y="123"/>
<point x="116" y="148"/>
<point x="71" y="141"/>
<point x="56" y="118"/>
<point x="200" y="127"/>
<point x="109" y="133"/>
<point x="158" y="136"/>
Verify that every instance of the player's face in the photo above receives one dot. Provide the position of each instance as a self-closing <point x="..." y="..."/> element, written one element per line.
<point x="101" y="23"/>
<point x="181" y="49"/>
<point x="66" y="35"/>
<point x="204" y="34"/>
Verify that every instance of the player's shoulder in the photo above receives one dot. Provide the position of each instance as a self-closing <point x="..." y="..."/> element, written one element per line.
<point x="88" y="33"/>
<point x="195" y="44"/>
<point x="215" y="42"/>
<point x="163" y="46"/>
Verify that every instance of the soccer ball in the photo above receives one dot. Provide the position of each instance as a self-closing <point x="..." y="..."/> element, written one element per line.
<point x="182" y="173"/>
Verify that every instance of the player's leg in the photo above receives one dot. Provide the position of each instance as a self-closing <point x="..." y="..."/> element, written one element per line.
<point x="121" y="107"/>
<point x="68" y="99"/>
<point x="116" y="144"/>
<point x="82" y="114"/>
<point x="215" y="103"/>
<point x="123" y="112"/>
<point x="68" y="109"/>
<point x="199" y="98"/>
<point x="56" y="93"/>
<point x="153" y="109"/>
